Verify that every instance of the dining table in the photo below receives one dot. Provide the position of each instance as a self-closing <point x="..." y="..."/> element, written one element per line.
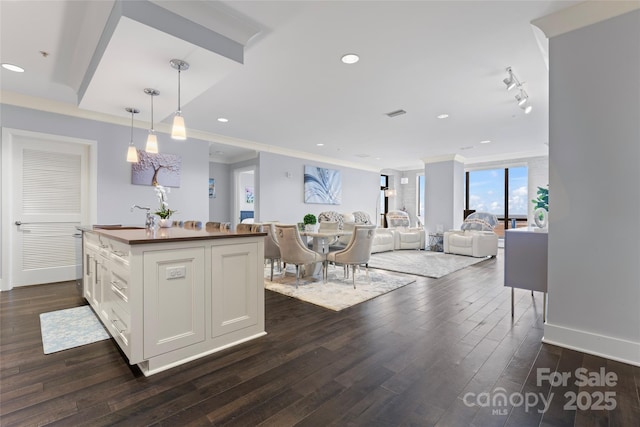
<point x="320" y="243"/>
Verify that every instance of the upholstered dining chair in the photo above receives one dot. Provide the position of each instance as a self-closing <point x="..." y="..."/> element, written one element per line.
<point x="271" y="247"/>
<point x="357" y="252"/>
<point x="212" y="226"/>
<point x="192" y="225"/>
<point x="294" y="251"/>
<point x="249" y="228"/>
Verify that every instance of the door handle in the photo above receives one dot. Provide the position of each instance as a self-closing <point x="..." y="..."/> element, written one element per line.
<point x="18" y="223"/>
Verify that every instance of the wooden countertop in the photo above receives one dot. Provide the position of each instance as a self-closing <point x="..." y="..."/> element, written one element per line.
<point x="162" y="235"/>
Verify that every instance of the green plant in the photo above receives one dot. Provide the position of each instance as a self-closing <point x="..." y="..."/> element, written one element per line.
<point x="309" y="219"/>
<point x="543" y="199"/>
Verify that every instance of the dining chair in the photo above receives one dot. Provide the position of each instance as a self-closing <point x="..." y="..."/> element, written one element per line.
<point x="249" y="228"/>
<point x="212" y="226"/>
<point x="294" y="251"/>
<point x="192" y="225"/>
<point x="357" y="252"/>
<point x="271" y="247"/>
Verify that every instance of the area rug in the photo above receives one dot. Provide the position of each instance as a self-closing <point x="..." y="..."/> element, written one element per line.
<point x="338" y="293"/>
<point x="72" y="327"/>
<point x="422" y="263"/>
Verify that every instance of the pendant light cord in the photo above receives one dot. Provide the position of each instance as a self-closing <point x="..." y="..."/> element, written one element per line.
<point x="179" y="109"/>
<point x="151" y="112"/>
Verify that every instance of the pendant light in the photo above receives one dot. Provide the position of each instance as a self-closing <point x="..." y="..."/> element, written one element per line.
<point x="152" y="139"/>
<point x="132" y="153"/>
<point x="178" y="131"/>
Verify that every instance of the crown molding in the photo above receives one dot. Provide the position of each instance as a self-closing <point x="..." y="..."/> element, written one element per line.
<point x="444" y="158"/>
<point x="582" y="15"/>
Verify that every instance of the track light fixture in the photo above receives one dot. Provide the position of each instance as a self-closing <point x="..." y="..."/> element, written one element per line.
<point x="510" y="81"/>
<point x="522" y="97"/>
<point x="152" y="139"/>
<point x="178" y="131"/>
<point x="132" y="153"/>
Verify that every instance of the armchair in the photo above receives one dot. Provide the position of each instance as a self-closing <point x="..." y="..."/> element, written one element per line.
<point x="475" y="237"/>
<point x="405" y="237"/>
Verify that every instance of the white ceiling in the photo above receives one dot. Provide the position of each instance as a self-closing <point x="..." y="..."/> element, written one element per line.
<point x="292" y="92"/>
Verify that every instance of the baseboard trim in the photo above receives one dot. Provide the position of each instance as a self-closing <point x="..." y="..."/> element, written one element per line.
<point x="598" y="345"/>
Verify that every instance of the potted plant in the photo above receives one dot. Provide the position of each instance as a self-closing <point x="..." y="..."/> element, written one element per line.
<point x="164" y="212"/>
<point x="541" y="207"/>
<point x="309" y="221"/>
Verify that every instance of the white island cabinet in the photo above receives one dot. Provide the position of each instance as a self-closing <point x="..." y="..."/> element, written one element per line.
<point x="174" y="295"/>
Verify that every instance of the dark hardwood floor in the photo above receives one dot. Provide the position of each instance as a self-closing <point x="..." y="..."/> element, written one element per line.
<point x="436" y="352"/>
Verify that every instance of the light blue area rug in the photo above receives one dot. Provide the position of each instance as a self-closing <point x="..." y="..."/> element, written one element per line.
<point x="422" y="263"/>
<point x="338" y="293"/>
<point x="72" y="327"/>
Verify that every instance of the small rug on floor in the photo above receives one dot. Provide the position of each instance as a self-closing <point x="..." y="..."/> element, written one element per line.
<point x="421" y="263"/>
<point x="72" y="327"/>
<point x="338" y="293"/>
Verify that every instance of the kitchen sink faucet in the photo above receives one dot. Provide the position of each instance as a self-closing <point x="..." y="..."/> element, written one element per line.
<point x="150" y="222"/>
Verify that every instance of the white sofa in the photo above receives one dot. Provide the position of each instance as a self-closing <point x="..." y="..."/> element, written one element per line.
<point x="475" y="238"/>
<point x="471" y="242"/>
<point x="405" y="236"/>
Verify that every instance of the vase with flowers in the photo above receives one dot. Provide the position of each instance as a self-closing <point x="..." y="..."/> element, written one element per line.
<point x="164" y="212"/>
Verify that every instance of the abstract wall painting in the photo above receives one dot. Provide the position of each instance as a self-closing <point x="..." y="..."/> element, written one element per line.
<point x="322" y="185"/>
<point x="248" y="195"/>
<point x="156" y="169"/>
<point x="212" y="188"/>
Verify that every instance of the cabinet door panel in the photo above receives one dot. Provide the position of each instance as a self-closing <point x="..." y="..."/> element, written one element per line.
<point x="234" y="297"/>
<point x="174" y="301"/>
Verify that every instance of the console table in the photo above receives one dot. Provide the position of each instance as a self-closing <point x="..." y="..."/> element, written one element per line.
<point x="525" y="262"/>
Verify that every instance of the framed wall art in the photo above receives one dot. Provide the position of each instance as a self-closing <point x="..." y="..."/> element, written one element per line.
<point x="156" y="169"/>
<point x="322" y="185"/>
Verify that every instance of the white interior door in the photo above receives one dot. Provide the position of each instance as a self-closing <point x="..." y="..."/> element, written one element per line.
<point x="49" y="198"/>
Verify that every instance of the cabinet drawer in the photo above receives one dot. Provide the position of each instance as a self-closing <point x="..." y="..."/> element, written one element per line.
<point x="119" y="324"/>
<point x="119" y="253"/>
<point x="119" y="284"/>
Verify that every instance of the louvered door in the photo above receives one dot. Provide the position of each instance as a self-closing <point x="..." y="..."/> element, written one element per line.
<point x="49" y="200"/>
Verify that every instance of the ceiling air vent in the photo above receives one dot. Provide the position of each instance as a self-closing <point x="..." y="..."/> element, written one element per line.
<point x="396" y="113"/>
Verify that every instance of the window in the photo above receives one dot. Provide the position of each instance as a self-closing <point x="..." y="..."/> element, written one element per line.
<point x="384" y="200"/>
<point x="502" y="192"/>
<point x="420" y="196"/>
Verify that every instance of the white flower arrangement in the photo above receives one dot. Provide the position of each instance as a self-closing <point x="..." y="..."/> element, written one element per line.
<point x="164" y="212"/>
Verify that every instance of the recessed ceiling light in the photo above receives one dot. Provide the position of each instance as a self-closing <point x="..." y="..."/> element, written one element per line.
<point x="222" y="120"/>
<point x="442" y="116"/>
<point x="320" y="144"/>
<point x="12" y="67"/>
<point x="486" y="141"/>
<point x="350" y="58"/>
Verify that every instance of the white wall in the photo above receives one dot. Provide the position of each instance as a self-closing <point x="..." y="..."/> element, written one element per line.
<point x="444" y="195"/>
<point x="219" y="206"/>
<point x="594" y="189"/>
<point x="282" y="196"/>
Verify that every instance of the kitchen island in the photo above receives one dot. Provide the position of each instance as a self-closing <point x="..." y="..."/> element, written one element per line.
<point x="172" y="295"/>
